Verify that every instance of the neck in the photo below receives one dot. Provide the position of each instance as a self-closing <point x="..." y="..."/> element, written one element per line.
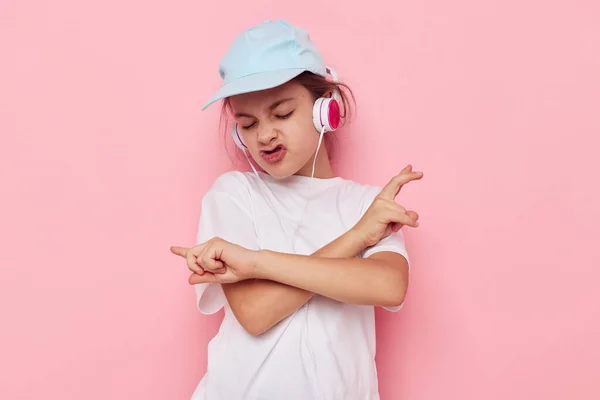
<point x="323" y="168"/>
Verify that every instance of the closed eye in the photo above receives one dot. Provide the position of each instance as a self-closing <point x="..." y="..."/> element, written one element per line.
<point x="286" y="115"/>
<point x="278" y="116"/>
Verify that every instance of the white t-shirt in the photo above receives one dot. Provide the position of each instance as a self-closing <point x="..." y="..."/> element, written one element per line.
<point x="326" y="349"/>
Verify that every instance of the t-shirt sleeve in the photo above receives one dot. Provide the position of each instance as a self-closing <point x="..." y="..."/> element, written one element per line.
<point x="394" y="242"/>
<point x="226" y="214"/>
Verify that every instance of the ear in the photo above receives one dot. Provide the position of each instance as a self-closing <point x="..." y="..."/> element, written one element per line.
<point x="328" y="93"/>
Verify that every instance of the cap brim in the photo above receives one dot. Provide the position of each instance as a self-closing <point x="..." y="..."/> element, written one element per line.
<point x="253" y="83"/>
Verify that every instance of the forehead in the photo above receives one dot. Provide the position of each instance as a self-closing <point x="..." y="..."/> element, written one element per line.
<point x="262" y="99"/>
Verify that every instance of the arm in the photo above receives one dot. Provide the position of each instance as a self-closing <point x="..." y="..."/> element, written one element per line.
<point x="259" y="304"/>
<point x="382" y="218"/>
<point x="380" y="280"/>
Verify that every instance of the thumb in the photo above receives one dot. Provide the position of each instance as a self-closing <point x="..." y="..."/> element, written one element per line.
<point x="207" y="277"/>
<point x="180" y="251"/>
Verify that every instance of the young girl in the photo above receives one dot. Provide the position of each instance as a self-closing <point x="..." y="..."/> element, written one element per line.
<point x="296" y="255"/>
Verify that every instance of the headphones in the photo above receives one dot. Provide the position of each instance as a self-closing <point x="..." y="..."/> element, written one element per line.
<point x="326" y="114"/>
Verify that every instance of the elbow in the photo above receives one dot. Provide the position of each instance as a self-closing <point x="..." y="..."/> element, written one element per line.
<point x="395" y="295"/>
<point x="394" y="299"/>
<point x="253" y="322"/>
<point x="254" y="328"/>
<point x="393" y="280"/>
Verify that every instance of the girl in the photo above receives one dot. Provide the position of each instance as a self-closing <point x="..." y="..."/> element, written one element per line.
<point x="296" y="255"/>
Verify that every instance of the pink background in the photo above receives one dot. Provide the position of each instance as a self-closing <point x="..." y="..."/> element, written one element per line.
<point x="105" y="157"/>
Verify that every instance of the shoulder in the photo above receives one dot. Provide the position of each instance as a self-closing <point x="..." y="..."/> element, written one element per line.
<point x="231" y="187"/>
<point x="230" y="180"/>
<point x="233" y="183"/>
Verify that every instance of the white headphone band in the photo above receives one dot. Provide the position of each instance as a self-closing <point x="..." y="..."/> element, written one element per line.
<point x="335" y="78"/>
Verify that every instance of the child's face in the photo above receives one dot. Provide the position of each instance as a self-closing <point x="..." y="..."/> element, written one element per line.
<point x="276" y="126"/>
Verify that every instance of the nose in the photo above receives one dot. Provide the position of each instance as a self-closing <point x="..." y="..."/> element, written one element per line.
<point x="267" y="134"/>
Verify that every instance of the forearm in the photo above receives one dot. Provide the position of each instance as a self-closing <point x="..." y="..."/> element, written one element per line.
<point x="348" y="280"/>
<point x="291" y="298"/>
<point x="259" y="304"/>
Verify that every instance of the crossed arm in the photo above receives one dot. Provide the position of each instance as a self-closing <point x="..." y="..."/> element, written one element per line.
<point x="288" y="281"/>
<point x="285" y="282"/>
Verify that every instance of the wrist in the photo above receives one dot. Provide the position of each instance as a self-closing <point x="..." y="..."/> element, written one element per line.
<point x="259" y="264"/>
<point x="357" y="239"/>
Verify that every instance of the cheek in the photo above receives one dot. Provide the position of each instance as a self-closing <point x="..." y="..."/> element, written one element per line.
<point x="302" y="141"/>
<point x="302" y="130"/>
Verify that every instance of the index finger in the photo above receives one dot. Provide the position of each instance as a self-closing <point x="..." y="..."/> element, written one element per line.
<point x="180" y="251"/>
<point x="391" y="190"/>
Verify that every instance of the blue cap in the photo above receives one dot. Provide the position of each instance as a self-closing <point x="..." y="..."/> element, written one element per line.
<point x="265" y="56"/>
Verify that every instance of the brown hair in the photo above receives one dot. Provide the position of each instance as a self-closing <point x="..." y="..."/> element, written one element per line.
<point x="317" y="85"/>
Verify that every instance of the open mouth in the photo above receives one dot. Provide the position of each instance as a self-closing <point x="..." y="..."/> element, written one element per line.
<point x="274" y="155"/>
<point x="275" y="150"/>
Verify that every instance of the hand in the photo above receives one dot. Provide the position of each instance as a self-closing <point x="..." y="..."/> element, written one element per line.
<point x="385" y="216"/>
<point x="218" y="260"/>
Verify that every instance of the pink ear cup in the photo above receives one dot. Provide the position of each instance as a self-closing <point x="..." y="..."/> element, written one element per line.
<point x="334" y="114"/>
<point x="326" y="114"/>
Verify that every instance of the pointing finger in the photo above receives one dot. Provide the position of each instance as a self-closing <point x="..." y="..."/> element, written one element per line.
<point x="180" y="251"/>
<point x="391" y="190"/>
